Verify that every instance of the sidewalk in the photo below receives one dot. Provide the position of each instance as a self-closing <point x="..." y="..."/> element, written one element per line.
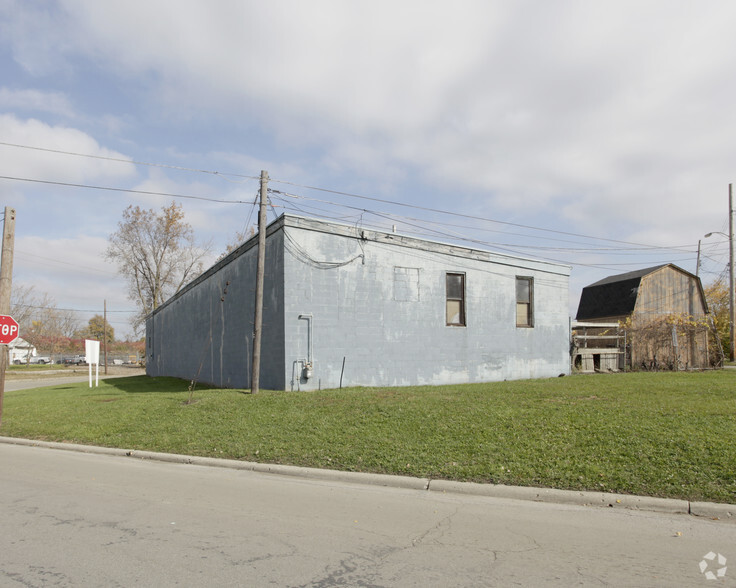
<point x="715" y="511"/>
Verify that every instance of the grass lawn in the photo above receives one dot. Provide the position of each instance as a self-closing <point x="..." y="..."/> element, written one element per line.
<point x="33" y="367"/>
<point x="656" y="434"/>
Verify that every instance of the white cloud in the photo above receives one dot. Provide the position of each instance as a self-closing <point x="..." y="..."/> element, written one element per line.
<point x="207" y="206"/>
<point x="612" y="119"/>
<point x="528" y="102"/>
<point x="58" y="167"/>
<point x="74" y="273"/>
<point x="55" y="257"/>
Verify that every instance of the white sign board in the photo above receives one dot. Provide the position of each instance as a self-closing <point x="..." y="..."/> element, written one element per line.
<point x="92" y="355"/>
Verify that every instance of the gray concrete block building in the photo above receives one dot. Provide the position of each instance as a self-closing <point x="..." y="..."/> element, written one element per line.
<point x="347" y="306"/>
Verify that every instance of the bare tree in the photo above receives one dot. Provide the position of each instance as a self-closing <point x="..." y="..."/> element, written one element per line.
<point x="156" y="253"/>
<point x="25" y="304"/>
<point x="239" y="238"/>
<point x="41" y="323"/>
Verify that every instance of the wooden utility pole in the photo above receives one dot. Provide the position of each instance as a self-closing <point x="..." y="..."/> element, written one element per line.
<point x="104" y="333"/>
<point x="732" y="304"/>
<point x="260" y="271"/>
<point x="6" y="280"/>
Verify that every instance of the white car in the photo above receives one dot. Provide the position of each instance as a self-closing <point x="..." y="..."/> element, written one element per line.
<point x="41" y="359"/>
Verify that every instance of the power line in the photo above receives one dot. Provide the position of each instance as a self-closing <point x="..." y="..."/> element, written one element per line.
<point x="388" y="216"/>
<point x="439" y="211"/>
<point x="20" y="305"/>
<point x="127" y="190"/>
<point x="508" y="248"/>
<point x="56" y="262"/>
<point x="129" y="161"/>
<point x="250" y="177"/>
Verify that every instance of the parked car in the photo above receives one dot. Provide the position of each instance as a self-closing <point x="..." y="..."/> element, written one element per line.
<point x="75" y="360"/>
<point x="41" y="359"/>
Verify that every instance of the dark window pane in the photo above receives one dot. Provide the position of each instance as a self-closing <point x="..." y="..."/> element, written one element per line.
<point x="523" y="290"/>
<point x="455" y="286"/>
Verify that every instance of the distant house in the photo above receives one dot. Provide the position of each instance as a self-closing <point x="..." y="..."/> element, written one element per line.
<point x="20" y="351"/>
<point x="348" y="306"/>
<point x="662" y="314"/>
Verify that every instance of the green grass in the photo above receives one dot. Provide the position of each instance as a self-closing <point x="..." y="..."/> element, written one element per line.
<point x="656" y="434"/>
<point x="33" y="367"/>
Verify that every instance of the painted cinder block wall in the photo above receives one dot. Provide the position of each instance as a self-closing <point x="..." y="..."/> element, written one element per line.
<point x="373" y="305"/>
<point x="205" y="332"/>
<point x="379" y="311"/>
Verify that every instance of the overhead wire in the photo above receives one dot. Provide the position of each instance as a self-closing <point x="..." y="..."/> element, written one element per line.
<point x="275" y="180"/>
<point x="129" y="161"/>
<point x="20" y="304"/>
<point x="511" y="249"/>
<point x="55" y="262"/>
<point x="126" y="190"/>
<point x="457" y="214"/>
<point x="300" y="253"/>
<point x="633" y="247"/>
<point x="308" y="198"/>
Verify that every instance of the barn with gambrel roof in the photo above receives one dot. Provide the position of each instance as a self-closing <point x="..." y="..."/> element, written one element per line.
<point x="661" y="309"/>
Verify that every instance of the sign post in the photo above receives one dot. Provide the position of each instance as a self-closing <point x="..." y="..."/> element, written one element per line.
<point x="92" y="356"/>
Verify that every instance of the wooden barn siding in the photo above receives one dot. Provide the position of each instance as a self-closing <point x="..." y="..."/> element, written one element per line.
<point x="668" y="291"/>
<point x="663" y="293"/>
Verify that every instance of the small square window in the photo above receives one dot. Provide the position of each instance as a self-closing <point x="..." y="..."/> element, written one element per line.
<point x="455" y="300"/>
<point x="524" y="302"/>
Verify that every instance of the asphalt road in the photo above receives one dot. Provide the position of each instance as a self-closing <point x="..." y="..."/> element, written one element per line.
<point x="76" y="519"/>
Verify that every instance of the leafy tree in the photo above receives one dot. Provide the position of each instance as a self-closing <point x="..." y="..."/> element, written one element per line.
<point x="96" y="330"/>
<point x="717" y="296"/>
<point x="156" y="253"/>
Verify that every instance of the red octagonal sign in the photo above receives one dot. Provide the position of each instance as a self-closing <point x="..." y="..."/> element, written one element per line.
<point x="8" y="329"/>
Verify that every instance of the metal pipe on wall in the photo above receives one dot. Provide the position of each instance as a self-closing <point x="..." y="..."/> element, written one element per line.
<point x="308" y="318"/>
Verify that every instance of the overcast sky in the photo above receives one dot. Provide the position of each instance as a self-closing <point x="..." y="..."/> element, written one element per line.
<point x="596" y="134"/>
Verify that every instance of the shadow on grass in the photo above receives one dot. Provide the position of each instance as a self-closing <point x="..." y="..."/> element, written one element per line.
<point x="148" y="385"/>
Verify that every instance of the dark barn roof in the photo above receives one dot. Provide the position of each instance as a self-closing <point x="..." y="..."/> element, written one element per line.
<point x="612" y="296"/>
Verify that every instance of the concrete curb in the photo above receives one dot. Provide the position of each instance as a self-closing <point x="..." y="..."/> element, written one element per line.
<point x="711" y="510"/>
<point x="582" y="498"/>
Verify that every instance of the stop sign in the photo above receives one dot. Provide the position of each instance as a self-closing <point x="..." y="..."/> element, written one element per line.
<point x="8" y="329"/>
